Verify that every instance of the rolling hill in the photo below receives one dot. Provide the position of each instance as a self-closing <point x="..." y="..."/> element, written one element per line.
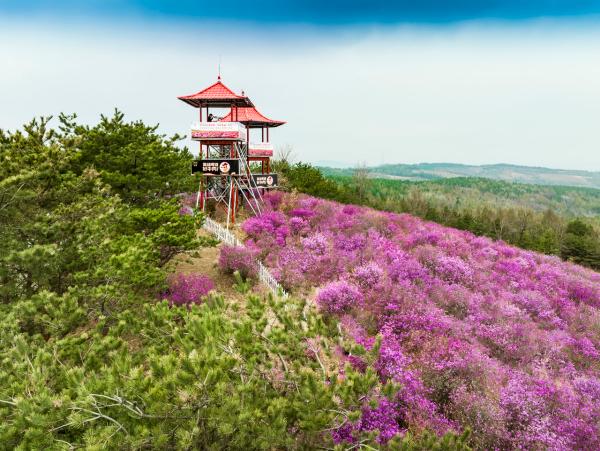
<point x="556" y="220"/>
<point x="479" y="334"/>
<point x="506" y="172"/>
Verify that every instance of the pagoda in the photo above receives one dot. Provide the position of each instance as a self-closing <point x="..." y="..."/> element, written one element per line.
<point x="233" y="168"/>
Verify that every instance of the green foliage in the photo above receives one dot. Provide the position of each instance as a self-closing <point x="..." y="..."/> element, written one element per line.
<point x="62" y="226"/>
<point x="308" y="179"/>
<point x="580" y="244"/>
<point x="169" y="231"/>
<point x="131" y="157"/>
<point x="174" y="378"/>
<point x="428" y="441"/>
<point x="241" y="285"/>
<point x="469" y="192"/>
<point x="578" y="228"/>
<point x="95" y="241"/>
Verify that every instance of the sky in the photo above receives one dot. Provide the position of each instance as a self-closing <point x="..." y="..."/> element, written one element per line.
<point x="474" y="82"/>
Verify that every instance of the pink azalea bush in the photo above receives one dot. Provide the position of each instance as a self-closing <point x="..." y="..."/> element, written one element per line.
<point x="238" y="258"/>
<point x="338" y="297"/>
<point x="185" y="289"/>
<point x="478" y="334"/>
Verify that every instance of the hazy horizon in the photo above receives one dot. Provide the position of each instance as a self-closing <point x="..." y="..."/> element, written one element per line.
<point x="343" y="165"/>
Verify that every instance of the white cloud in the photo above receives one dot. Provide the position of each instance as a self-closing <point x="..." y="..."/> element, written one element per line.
<point x="473" y="93"/>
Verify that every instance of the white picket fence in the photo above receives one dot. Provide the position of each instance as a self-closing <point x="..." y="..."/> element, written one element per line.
<point x="220" y="232"/>
<point x="267" y="278"/>
<point x="224" y="235"/>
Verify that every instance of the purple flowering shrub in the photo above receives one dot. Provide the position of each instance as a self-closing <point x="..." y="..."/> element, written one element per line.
<point x="268" y="231"/>
<point x="368" y="275"/>
<point x="382" y="418"/>
<point x="185" y="289"/>
<point x="238" y="258"/>
<point x="477" y="333"/>
<point x="338" y="297"/>
<point x="273" y="199"/>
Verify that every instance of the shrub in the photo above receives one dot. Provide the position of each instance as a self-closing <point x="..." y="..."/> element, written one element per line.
<point x="273" y="199"/>
<point x="368" y="275"/>
<point x="187" y="289"/>
<point x="238" y="258"/>
<point x="338" y="297"/>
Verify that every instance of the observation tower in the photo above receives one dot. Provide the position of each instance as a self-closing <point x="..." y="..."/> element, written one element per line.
<point x="234" y="167"/>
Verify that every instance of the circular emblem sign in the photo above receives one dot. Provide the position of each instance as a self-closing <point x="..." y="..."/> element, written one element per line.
<point x="269" y="180"/>
<point x="224" y="167"/>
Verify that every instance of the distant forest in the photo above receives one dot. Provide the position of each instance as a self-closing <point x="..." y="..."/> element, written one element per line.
<point x="471" y="192"/>
<point x="504" y="172"/>
<point x="555" y="220"/>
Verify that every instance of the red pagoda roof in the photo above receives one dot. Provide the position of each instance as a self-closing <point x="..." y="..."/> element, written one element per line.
<point x="216" y="95"/>
<point x="252" y="118"/>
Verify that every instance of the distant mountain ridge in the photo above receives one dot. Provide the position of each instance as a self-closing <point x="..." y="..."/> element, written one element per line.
<point x="506" y="172"/>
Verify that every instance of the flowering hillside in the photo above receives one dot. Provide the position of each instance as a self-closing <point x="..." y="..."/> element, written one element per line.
<point x="479" y="334"/>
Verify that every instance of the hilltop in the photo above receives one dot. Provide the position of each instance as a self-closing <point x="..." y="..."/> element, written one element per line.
<point x="123" y="326"/>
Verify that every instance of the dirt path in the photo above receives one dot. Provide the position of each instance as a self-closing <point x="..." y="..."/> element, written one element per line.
<point x="204" y="260"/>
